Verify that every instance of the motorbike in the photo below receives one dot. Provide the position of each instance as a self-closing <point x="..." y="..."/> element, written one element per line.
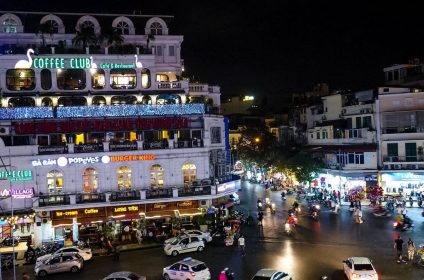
<point x="411" y="201"/>
<point x="390" y="207"/>
<point x="420" y="203"/>
<point x="259" y="203"/>
<point x="230" y="275"/>
<point x="406" y="224"/>
<point x="10" y="241"/>
<point x="314" y="212"/>
<point x="283" y="196"/>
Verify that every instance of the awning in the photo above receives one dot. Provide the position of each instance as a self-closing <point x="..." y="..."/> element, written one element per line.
<point x="161" y="214"/>
<point x="190" y="212"/>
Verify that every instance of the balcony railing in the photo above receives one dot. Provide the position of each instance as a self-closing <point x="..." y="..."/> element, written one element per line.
<point x="88" y="148"/>
<point x="155" y="145"/>
<point x="90" y="198"/>
<point x="52" y="200"/>
<point x="169" y="85"/>
<point x="403" y="158"/>
<point x="394" y="130"/>
<point x="47" y="150"/>
<point x="159" y="193"/>
<point x="194" y="190"/>
<point x="125" y="195"/>
<point x="191" y="143"/>
<point x="123" y="146"/>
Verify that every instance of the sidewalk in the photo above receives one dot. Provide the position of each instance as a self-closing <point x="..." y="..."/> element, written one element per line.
<point x="131" y="247"/>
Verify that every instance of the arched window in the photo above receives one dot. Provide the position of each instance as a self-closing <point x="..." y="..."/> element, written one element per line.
<point x="55" y="182"/>
<point x="123" y="28"/>
<point x="99" y="100"/>
<point x="88" y="25"/>
<point x="123" y="25"/>
<point x="72" y="101"/>
<point x="145" y="78"/>
<point x="124" y="178"/>
<point x="10" y="26"/>
<point x="46" y="102"/>
<point x="21" y="102"/>
<point x="90" y="180"/>
<point x="189" y="173"/>
<point x="53" y="26"/>
<point x="146" y="100"/>
<point x="117" y="100"/>
<point x="165" y="99"/>
<point x="156" y="176"/>
<point x="156" y="28"/>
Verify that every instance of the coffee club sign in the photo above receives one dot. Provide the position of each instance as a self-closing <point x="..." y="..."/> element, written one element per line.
<point x="16" y="175"/>
<point x="48" y="62"/>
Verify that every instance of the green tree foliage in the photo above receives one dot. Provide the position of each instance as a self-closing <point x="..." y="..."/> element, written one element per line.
<point x="304" y="166"/>
<point x="85" y="37"/>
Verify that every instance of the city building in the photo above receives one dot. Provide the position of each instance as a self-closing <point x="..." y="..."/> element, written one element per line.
<point x="341" y="132"/>
<point x="99" y="127"/>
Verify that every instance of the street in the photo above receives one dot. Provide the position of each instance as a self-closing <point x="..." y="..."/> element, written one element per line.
<point x="315" y="248"/>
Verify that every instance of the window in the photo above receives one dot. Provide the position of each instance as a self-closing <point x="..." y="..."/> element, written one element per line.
<point x="97" y="78"/>
<point x="389" y="76"/>
<point x="90" y="180"/>
<point x="46" y="102"/>
<point x="145" y="78"/>
<point x="411" y="151"/>
<point x="156" y="176"/>
<point x="164" y="99"/>
<point x="123" y="28"/>
<point x="156" y="28"/>
<point x="158" y="50"/>
<point x="392" y="150"/>
<point x="175" y="267"/>
<point x="98" y="100"/>
<point x="71" y="79"/>
<point x="324" y="134"/>
<point x="123" y="78"/>
<point x="318" y="135"/>
<point x="195" y="239"/>
<point x="396" y="75"/>
<point x="124" y="178"/>
<point x="52" y="26"/>
<point x="189" y="173"/>
<point x="46" y="79"/>
<point x="349" y="122"/>
<point x="366" y="122"/>
<point x="146" y="100"/>
<point x="55" y="182"/>
<point x="184" y="267"/>
<point x="215" y="135"/>
<point x="20" y="79"/>
<point x="88" y="25"/>
<point x="171" y="51"/>
<point x="10" y="26"/>
<point x="358" y="122"/>
<point x="67" y="258"/>
<point x="312" y="136"/>
<point x="21" y="102"/>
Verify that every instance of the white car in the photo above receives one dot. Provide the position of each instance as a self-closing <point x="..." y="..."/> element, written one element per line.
<point x="124" y="275"/>
<point x="187" y="269"/>
<point x="205" y="236"/>
<point x="359" y="268"/>
<point x="271" y="274"/>
<point x="184" y="245"/>
<point x="84" y="253"/>
<point x="234" y="197"/>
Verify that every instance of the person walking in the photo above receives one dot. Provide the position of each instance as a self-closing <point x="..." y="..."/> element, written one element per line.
<point x="360" y="216"/>
<point x="404" y="211"/>
<point x="242" y="245"/>
<point x="398" y="246"/>
<point x="411" y="249"/>
<point x="356" y="214"/>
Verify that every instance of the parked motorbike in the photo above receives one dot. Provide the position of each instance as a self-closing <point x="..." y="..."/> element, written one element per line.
<point x="10" y="241"/>
<point x="283" y="196"/>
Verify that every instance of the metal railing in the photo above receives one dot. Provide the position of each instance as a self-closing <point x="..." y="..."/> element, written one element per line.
<point x="90" y="198"/>
<point x="159" y="193"/>
<point x="125" y="195"/>
<point x="48" y="150"/>
<point x="194" y="191"/>
<point x="415" y="158"/>
<point x="191" y="143"/>
<point x="55" y="199"/>
<point x="123" y="146"/>
<point x="88" y="148"/>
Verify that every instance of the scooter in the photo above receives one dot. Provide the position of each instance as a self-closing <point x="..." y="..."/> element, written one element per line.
<point x="314" y="212"/>
<point x="259" y="205"/>
<point x="283" y="196"/>
<point x="407" y="224"/>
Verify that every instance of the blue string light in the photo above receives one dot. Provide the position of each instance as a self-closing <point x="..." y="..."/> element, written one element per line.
<point x="100" y="111"/>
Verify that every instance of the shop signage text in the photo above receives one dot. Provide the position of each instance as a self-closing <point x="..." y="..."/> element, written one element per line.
<point x="403" y="176"/>
<point x="124" y="209"/>
<point x="18" y="175"/>
<point x="132" y="158"/>
<point x="226" y="187"/>
<point x="61" y="63"/>
<point x="17" y="193"/>
<point x="63" y="161"/>
<point x="116" y="65"/>
<point x="79" y="213"/>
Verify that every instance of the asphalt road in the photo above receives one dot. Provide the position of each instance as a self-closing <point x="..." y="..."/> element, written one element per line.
<point x="315" y="248"/>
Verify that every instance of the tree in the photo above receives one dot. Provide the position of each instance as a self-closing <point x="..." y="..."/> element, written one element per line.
<point x="85" y="37"/>
<point x="43" y="29"/>
<point x="304" y="167"/>
<point x="112" y="37"/>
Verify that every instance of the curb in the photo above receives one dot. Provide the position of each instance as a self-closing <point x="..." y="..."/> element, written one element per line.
<point x="132" y="249"/>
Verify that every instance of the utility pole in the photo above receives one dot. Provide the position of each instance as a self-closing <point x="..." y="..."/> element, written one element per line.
<point x="340" y="177"/>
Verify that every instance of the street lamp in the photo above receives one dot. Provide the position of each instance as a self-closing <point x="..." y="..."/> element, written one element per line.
<point x="257" y="140"/>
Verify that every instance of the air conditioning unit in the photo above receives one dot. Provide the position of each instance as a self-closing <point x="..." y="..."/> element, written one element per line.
<point x="397" y="166"/>
<point x="44" y="214"/>
<point x="4" y="130"/>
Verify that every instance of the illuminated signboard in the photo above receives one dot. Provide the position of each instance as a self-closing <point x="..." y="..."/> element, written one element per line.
<point x="79" y="213"/>
<point x="18" y="175"/>
<point x="63" y="161"/>
<point x="125" y="209"/>
<point x="17" y="193"/>
<point x="71" y="63"/>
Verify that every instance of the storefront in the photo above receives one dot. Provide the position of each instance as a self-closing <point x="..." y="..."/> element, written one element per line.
<point x="403" y="183"/>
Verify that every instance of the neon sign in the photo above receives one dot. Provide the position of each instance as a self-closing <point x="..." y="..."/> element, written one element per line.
<point x="17" y="193"/>
<point x="18" y="175"/>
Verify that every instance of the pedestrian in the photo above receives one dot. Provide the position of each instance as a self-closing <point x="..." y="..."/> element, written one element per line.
<point x="222" y="275"/>
<point x="398" y="246"/>
<point x="356" y="214"/>
<point x="404" y="211"/>
<point x="338" y="196"/>
<point x="242" y="245"/>
<point x="411" y="249"/>
<point x="360" y="216"/>
<point x="25" y="276"/>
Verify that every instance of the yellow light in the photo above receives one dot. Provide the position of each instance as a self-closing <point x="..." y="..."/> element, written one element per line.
<point x="248" y="98"/>
<point x="257" y="140"/>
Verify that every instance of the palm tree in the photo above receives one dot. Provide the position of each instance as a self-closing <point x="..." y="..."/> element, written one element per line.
<point x="112" y="37"/>
<point x="85" y="37"/>
<point x="150" y="37"/>
<point x="43" y="29"/>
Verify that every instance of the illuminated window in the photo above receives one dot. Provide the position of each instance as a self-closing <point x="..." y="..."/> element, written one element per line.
<point x="71" y="79"/>
<point x="98" y="100"/>
<point x="20" y="79"/>
<point x="156" y="28"/>
<point x="124" y="178"/>
<point x="90" y="180"/>
<point x="156" y="176"/>
<point x="189" y="173"/>
<point x="123" y="78"/>
<point x="146" y="100"/>
<point x="145" y="78"/>
<point x="46" y="102"/>
<point x="10" y="26"/>
<point x="97" y="78"/>
<point x="55" y="182"/>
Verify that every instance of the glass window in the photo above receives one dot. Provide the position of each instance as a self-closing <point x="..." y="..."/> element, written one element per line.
<point x="156" y="176"/>
<point x="171" y="51"/>
<point x="46" y="102"/>
<point x="51" y="26"/>
<point x="72" y="101"/>
<point x="97" y="78"/>
<point x="88" y="25"/>
<point x="130" y="99"/>
<point x="10" y="26"/>
<point x="164" y="99"/>
<point x="358" y="122"/>
<point x="55" y="182"/>
<point x="20" y="79"/>
<point x="123" y="78"/>
<point x="349" y="122"/>
<point x="146" y="100"/>
<point x="90" y="180"/>
<point x="46" y="79"/>
<point x="124" y="178"/>
<point x="145" y="78"/>
<point x="98" y="100"/>
<point x="411" y="151"/>
<point x="215" y="135"/>
<point x="162" y="78"/>
<point x="21" y="102"/>
<point x="156" y="28"/>
<point x="189" y="173"/>
<point x="123" y="28"/>
<point x="318" y="135"/>
<point x="392" y="149"/>
<point x="158" y="51"/>
<point x="71" y="79"/>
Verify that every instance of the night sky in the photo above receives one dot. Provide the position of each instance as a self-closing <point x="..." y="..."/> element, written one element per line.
<point x="275" y="47"/>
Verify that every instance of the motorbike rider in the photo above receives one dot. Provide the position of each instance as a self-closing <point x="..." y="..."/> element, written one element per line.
<point x="295" y="205"/>
<point x="411" y="200"/>
<point x="283" y="194"/>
